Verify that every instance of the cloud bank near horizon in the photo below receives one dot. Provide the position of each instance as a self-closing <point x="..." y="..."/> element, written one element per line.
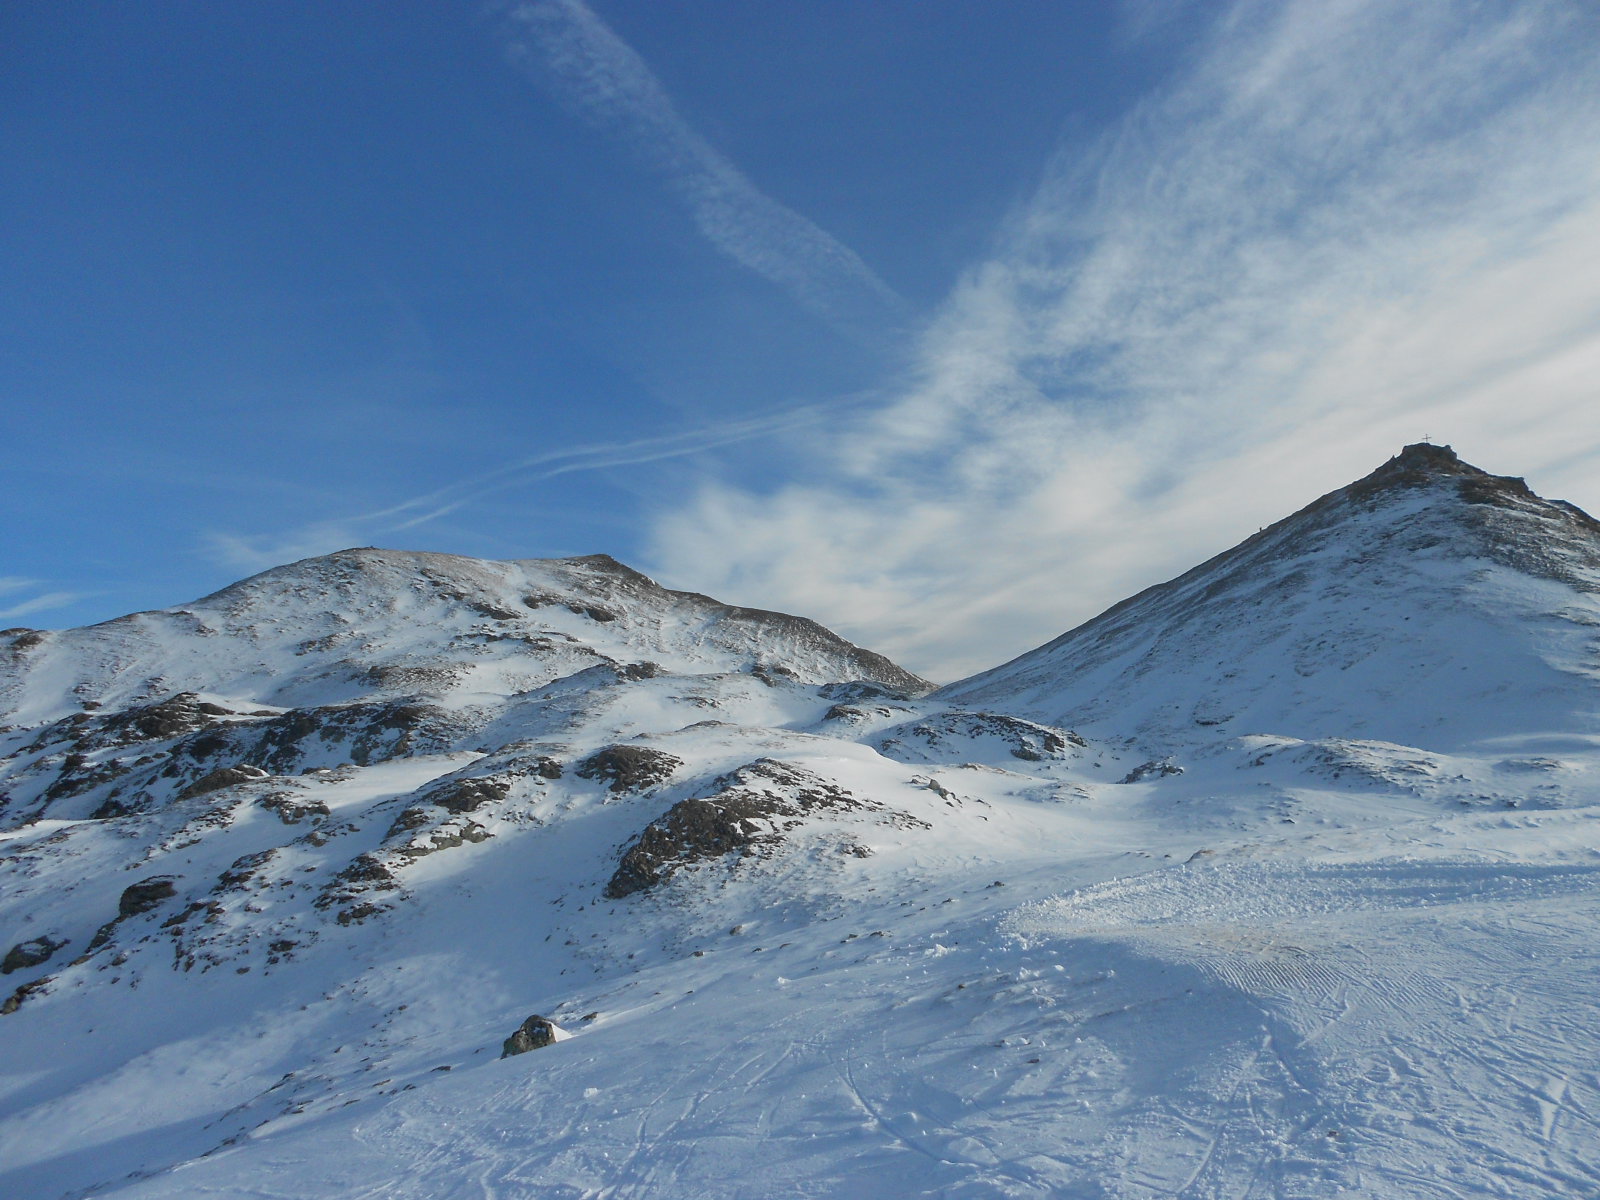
<point x="1341" y="227"/>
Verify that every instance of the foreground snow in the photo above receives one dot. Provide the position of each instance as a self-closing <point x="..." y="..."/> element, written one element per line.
<point x="1206" y="984"/>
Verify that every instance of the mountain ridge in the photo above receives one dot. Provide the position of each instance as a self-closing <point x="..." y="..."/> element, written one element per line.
<point x="350" y="612"/>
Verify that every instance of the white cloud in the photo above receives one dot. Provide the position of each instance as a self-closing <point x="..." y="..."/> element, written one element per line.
<point x="564" y="45"/>
<point x="1346" y="225"/>
<point x="40" y="603"/>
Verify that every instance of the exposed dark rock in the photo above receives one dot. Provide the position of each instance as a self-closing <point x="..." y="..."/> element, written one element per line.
<point x="860" y="714"/>
<point x="145" y="895"/>
<point x="774" y="674"/>
<point x="78" y="776"/>
<point x="244" y="869"/>
<point x="209" y="907"/>
<point x="533" y="1034"/>
<point x="629" y="768"/>
<point x="357" y="913"/>
<point x="222" y="777"/>
<point x="493" y="611"/>
<point x="749" y="807"/>
<point x="170" y="718"/>
<point x="447" y="837"/>
<point x="365" y="733"/>
<point x="366" y="873"/>
<point x="15" y="1000"/>
<point x="944" y="733"/>
<point x="30" y="953"/>
<point x="366" y="869"/>
<point x="857" y="691"/>
<point x="633" y="672"/>
<point x="470" y="794"/>
<point x="291" y="810"/>
<point x="408" y="820"/>
<point x="1154" y="769"/>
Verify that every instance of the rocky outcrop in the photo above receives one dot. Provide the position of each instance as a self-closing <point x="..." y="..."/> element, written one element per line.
<point x="1154" y="769"/>
<point x="629" y="768"/>
<point x="956" y="734"/>
<point x="31" y="953"/>
<point x="533" y="1034"/>
<point x="146" y="895"/>
<point x="222" y="777"/>
<point x="746" y="809"/>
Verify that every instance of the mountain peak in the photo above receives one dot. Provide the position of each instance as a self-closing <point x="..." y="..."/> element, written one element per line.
<point x="1429" y="603"/>
<point x="1425" y="456"/>
<point x="1422" y="464"/>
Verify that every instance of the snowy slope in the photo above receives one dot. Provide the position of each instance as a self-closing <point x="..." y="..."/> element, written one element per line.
<point x="1428" y="604"/>
<point x="267" y="917"/>
<point x="367" y="623"/>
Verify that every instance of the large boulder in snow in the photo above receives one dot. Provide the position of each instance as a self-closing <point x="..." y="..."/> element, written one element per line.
<point x="30" y="953"/>
<point x="141" y="897"/>
<point x="533" y="1034"/>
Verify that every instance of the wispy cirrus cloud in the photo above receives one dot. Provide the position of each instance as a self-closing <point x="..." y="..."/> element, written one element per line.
<point x="1342" y="226"/>
<point x="43" y="602"/>
<point x="258" y="552"/>
<point x="563" y="45"/>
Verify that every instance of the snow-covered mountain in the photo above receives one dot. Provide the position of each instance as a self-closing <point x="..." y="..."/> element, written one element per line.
<point x="1430" y="603"/>
<point x="406" y="875"/>
<point x="363" y="624"/>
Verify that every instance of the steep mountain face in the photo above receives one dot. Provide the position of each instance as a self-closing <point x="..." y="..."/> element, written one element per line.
<point x="414" y="876"/>
<point x="1429" y="604"/>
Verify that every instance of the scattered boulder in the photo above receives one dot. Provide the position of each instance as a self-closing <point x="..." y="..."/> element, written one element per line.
<point x="629" y="768"/>
<point x="170" y="718"/>
<point x="410" y="819"/>
<point x="244" y="869"/>
<point x="291" y="810"/>
<point x="30" y="953"/>
<point x="633" y="672"/>
<point x="222" y="777"/>
<point x="15" y="1000"/>
<point x="1155" y="769"/>
<point x="145" y="895"/>
<point x="470" y="794"/>
<point x="979" y="735"/>
<point x="533" y="1034"/>
<point x="749" y="807"/>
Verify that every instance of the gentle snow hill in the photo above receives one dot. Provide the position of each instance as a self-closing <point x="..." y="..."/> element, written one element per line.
<point x="367" y="623"/>
<point x="1429" y="604"/>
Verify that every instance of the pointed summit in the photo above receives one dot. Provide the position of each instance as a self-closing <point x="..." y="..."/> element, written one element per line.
<point x="1428" y="603"/>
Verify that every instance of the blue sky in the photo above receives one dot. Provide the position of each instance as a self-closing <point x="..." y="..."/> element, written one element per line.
<point x="946" y="323"/>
